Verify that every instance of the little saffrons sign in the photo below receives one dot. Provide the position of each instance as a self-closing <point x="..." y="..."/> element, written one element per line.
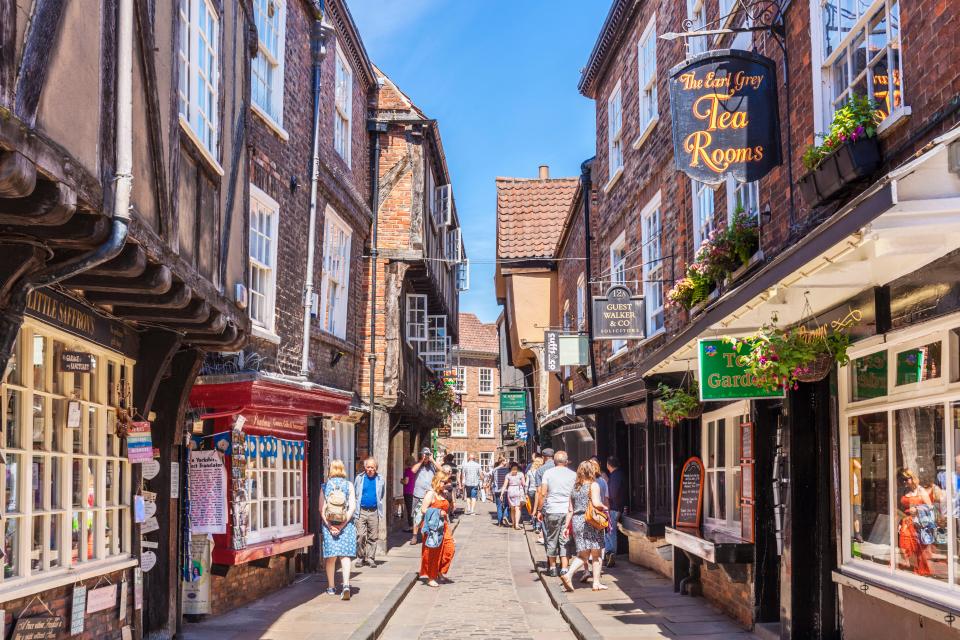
<point x="723" y="376"/>
<point x="725" y="116"/>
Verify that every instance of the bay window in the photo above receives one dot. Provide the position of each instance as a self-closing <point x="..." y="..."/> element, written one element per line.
<point x="66" y="481"/>
<point x="274" y="487"/>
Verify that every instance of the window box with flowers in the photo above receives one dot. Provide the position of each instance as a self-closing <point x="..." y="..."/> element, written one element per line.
<point x="724" y="253"/>
<point x="849" y="152"/>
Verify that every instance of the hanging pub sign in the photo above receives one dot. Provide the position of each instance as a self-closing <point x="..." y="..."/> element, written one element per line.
<point x="723" y="376"/>
<point x="725" y="116"/>
<point x="551" y="348"/>
<point x="619" y="315"/>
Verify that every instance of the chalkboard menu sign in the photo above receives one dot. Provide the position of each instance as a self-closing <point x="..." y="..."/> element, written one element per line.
<point x="691" y="493"/>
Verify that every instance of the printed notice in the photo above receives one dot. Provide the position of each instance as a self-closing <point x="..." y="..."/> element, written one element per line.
<point x="208" y="493"/>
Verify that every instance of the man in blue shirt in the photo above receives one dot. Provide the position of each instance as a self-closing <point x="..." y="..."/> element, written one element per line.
<point x="371" y="491"/>
<point x="617" y="487"/>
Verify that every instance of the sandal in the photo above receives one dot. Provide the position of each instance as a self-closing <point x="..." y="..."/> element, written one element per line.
<point x="600" y="587"/>
<point x="433" y="583"/>
<point x="585" y="578"/>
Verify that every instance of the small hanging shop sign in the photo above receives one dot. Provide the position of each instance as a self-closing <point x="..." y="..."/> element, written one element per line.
<point x="723" y="376"/>
<point x="619" y="315"/>
<point x="139" y="442"/>
<point x="513" y="401"/>
<point x="725" y="116"/>
<point x="76" y="362"/>
<point x="551" y="349"/>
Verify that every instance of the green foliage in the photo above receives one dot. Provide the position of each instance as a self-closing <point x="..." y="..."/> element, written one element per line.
<point x="678" y="403"/>
<point x="440" y="400"/>
<point x="856" y="119"/>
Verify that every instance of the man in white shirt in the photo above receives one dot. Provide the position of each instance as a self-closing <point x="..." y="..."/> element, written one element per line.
<point x="553" y="500"/>
<point x="470" y="477"/>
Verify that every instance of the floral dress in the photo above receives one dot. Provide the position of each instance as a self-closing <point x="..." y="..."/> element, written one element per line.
<point x="585" y="536"/>
<point x="343" y="545"/>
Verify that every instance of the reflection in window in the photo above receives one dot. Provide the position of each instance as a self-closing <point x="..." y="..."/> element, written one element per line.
<point x="921" y="492"/>
<point x="919" y="364"/>
<point x="870" y="376"/>
<point x="869" y="488"/>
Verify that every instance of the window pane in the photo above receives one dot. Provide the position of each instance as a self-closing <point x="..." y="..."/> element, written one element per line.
<point x="11" y="496"/>
<point x="721" y="442"/>
<point x="721" y="494"/>
<point x="869" y="488"/>
<point x="711" y="445"/>
<point x="13" y="419"/>
<point x="56" y="525"/>
<point x="917" y="365"/>
<point x="36" y="547"/>
<point x="708" y="493"/>
<point x="39" y="362"/>
<point x="954" y="484"/>
<point x="39" y="466"/>
<point x="39" y="422"/>
<point x="870" y="376"/>
<point x="11" y="548"/>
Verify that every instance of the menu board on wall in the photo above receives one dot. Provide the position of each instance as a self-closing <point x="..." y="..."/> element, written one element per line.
<point x="690" y="499"/>
<point x="746" y="480"/>
<point x="208" y="492"/>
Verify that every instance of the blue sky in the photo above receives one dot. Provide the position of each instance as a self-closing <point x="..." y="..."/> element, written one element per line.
<point x="501" y="79"/>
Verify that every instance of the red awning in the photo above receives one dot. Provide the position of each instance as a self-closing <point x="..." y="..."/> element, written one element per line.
<point x="270" y="396"/>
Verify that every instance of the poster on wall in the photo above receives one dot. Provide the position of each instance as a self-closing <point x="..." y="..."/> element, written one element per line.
<point x="725" y="116"/>
<point x="196" y="589"/>
<point x="208" y="492"/>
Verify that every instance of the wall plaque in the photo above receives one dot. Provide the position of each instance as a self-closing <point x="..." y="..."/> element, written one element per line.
<point x="725" y="116"/>
<point x="37" y="628"/>
<point x="76" y="361"/>
<point x="690" y="499"/>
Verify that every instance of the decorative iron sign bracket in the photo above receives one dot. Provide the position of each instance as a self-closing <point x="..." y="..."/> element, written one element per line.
<point x="760" y="15"/>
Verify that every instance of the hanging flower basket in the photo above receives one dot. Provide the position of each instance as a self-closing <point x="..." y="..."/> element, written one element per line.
<point x="817" y="369"/>
<point x="679" y="404"/>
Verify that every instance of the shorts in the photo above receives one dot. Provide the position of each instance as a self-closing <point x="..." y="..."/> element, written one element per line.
<point x="471" y="492"/>
<point x="553" y="529"/>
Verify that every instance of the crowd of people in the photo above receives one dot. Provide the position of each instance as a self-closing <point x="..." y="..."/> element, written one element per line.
<point x="574" y="513"/>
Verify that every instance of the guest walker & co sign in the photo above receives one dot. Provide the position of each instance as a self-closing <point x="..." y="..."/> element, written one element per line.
<point x="618" y="316"/>
<point x="725" y="116"/>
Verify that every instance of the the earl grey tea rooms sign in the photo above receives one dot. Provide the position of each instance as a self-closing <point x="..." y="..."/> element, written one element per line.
<point x="725" y="116"/>
<point x="619" y="315"/>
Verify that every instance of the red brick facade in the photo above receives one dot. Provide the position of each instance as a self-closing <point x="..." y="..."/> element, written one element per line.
<point x="473" y="402"/>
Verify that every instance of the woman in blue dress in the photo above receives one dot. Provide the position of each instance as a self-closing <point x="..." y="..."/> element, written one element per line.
<point x="339" y="538"/>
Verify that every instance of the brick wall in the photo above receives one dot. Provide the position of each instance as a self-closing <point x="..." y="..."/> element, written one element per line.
<point x="733" y="598"/>
<point x="649" y="553"/>
<point x="245" y="583"/>
<point x="570" y="267"/>
<point x="472" y="401"/>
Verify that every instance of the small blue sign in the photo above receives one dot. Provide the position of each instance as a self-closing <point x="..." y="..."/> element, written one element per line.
<point x="522" y="429"/>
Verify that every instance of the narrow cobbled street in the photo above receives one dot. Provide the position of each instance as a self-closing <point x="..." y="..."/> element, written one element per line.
<point x="494" y="593"/>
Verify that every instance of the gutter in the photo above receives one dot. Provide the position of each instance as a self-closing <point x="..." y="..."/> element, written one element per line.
<point x="375" y="127"/>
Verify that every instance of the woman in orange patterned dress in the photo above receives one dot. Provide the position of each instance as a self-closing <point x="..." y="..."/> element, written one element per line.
<point x="914" y="495"/>
<point x="435" y="563"/>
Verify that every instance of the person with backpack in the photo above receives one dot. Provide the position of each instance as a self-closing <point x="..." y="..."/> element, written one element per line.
<point x="436" y="555"/>
<point x="338" y="503"/>
<point x="916" y="533"/>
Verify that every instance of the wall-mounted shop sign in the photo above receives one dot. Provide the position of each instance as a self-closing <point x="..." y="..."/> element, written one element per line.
<point x="574" y="350"/>
<point x="618" y="316"/>
<point x="691" y="494"/>
<point x="551" y="350"/>
<point x="723" y="377"/>
<point x="513" y="401"/>
<point x="76" y="362"/>
<point x="521" y="429"/>
<point x="71" y="316"/>
<point x="725" y="116"/>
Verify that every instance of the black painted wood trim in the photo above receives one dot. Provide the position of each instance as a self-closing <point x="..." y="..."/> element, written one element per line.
<point x="41" y="37"/>
<point x="8" y="51"/>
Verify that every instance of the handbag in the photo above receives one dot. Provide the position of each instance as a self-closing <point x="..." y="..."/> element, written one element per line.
<point x="595" y="517"/>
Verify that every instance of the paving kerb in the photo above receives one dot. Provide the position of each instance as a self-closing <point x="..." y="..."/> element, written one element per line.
<point x="579" y="624"/>
<point x="377" y="621"/>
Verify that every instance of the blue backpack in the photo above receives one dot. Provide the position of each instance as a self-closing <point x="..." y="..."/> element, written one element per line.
<point x="433" y="528"/>
<point x="925" y="522"/>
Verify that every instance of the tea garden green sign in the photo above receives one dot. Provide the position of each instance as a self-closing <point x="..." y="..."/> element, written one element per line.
<point x="722" y="377"/>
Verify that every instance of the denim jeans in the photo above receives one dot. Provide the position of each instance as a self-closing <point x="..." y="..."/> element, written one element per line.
<point x="503" y="509"/>
<point x="610" y="536"/>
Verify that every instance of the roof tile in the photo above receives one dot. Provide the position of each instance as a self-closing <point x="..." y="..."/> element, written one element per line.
<point x="530" y="215"/>
<point x="478" y="336"/>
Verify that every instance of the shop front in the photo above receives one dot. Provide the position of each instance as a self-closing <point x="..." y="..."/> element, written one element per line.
<point x="264" y="435"/>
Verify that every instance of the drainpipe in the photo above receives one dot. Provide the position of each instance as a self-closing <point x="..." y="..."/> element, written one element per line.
<point x="586" y="186"/>
<point x="375" y="127"/>
<point x="122" y="185"/>
<point x="317" y="50"/>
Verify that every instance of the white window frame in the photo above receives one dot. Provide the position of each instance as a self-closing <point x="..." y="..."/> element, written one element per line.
<point x="335" y="275"/>
<point x="261" y="204"/>
<point x="618" y="275"/>
<point x="343" y="107"/>
<point x="199" y="90"/>
<point x="615" y="133"/>
<point x="732" y="415"/>
<point x="704" y="221"/>
<point x="747" y="193"/>
<point x="102" y="504"/>
<point x="647" y="80"/>
<point x="944" y="391"/>
<point x="437" y="342"/>
<point x="416" y="317"/>
<point x="826" y="64"/>
<point x="582" y="302"/>
<point x="485" y="458"/>
<point x="453" y="248"/>
<point x="485" y="387"/>
<point x="651" y="226"/>
<point x="460" y="385"/>
<point x="463" y="274"/>
<point x="485" y="427"/>
<point x="458" y="424"/>
<point x="284" y="479"/>
<point x="267" y="68"/>
<point x="696" y="14"/>
<point x="443" y="204"/>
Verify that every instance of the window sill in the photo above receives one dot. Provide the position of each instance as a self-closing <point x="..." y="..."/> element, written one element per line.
<point x="656" y="334"/>
<point x="619" y="354"/>
<point x="485" y="393"/>
<point x="486" y="437"/>
<point x="333" y="339"/>
<point x="889" y="590"/>
<point x="36" y="584"/>
<point x="712" y="546"/>
<point x="899" y="116"/>
<point x="265" y="334"/>
<point x="270" y="122"/>
<point x="201" y="148"/>
<point x="613" y="179"/>
<point x="646" y="132"/>
<point x="222" y="555"/>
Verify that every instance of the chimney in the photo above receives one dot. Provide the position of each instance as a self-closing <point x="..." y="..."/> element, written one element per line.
<point x="544" y="172"/>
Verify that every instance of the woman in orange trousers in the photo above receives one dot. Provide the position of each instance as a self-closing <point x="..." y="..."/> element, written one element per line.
<point x="435" y="563"/>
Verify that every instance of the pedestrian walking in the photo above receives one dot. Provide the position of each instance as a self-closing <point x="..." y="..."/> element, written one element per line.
<point x="585" y="515"/>
<point x="499" y="477"/>
<point x="532" y="488"/>
<point x="616" y="486"/>
<point x="337" y="506"/>
<point x="485" y="485"/>
<point x="450" y="466"/>
<point x="470" y="477"/>
<point x="553" y="502"/>
<point x="372" y="489"/>
<point x="423" y="471"/>
<point x="601" y="481"/>
<point x="514" y="487"/>
<point x="408" y="480"/>
<point x="438" y="550"/>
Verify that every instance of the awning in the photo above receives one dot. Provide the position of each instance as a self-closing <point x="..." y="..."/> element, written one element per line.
<point x="269" y="394"/>
<point x="561" y="415"/>
<point x="620" y="391"/>
<point x="906" y="220"/>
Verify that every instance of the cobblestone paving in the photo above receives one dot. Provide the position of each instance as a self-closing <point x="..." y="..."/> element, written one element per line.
<point x="495" y="593"/>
